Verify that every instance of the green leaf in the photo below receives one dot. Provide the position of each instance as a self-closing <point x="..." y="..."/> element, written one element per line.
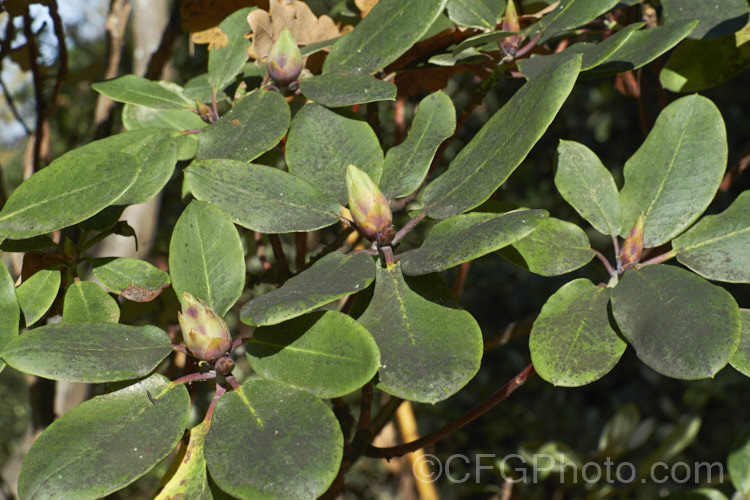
<point x="716" y="246"/>
<point x="134" y="279"/>
<point x="10" y="312"/>
<point x="429" y="349"/>
<point x="135" y="89"/>
<point x="135" y="117"/>
<point x="679" y="324"/>
<point x="571" y="342"/>
<point x="37" y="293"/>
<point x="618" y="431"/>
<point x="389" y="30"/>
<point x="200" y="89"/>
<point x="642" y="47"/>
<point x="701" y="64"/>
<point x="262" y="198"/>
<point x="715" y="18"/>
<point x="40" y="242"/>
<point x="326" y="353"/>
<point x="190" y="479"/>
<point x="334" y="276"/>
<point x="556" y="247"/>
<point x="255" y="124"/>
<point x="469" y="236"/>
<point x="407" y="164"/>
<point x="206" y="257"/>
<point x="699" y="494"/>
<point x="502" y="143"/>
<point x="740" y="360"/>
<point x="592" y="54"/>
<point x="471" y="13"/>
<point x="88" y="352"/>
<point x="322" y="143"/>
<point x="674" y="175"/>
<point x="738" y="463"/>
<point x="568" y="15"/>
<point x="107" y="442"/>
<point x="588" y="186"/>
<point x="69" y="190"/>
<point x="87" y="302"/>
<point x="268" y="440"/>
<point x="335" y="90"/>
<point x="683" y="433"/>
<point x="224" y="64"/>
<point x="155" y="149"/>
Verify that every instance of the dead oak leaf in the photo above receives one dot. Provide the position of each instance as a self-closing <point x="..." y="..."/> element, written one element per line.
<point x="292" y="14"/>
<point x="214" y="37"/>
<point x="365" y="6"/>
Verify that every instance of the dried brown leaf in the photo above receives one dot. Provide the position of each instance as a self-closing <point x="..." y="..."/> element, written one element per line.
<point x="214" y="37"/>
<point x="365" y="6"/>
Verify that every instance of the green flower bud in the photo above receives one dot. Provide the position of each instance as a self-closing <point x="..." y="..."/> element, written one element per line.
<point x="205" y="333"/>
<point x="284" y="59"/>
<point x="368" y="206"/>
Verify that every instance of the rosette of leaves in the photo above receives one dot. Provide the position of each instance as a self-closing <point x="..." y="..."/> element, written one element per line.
<point x="679" y="323"/>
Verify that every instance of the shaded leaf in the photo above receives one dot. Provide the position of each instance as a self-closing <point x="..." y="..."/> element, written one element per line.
<point x="555" y="247"/>
<point x="226" y="62"/>
<point x="135" y="89"/>
<point x="469" y="236"/>
<point x="322" y="143"/>
<point x="701" y="64"/>
<point x="389" y="30"/>
<point x="69" y="190"/>
<point x="675" y="173"/>
<point x="107" y="442"/>
<point x="255" y="124"/>
<point x="642" y="47"/>
<point x="40" y="242"/>
<point x="190" y="479"/>
<point x="716" y="18"/>
<point x="679" y="324"/>
<point x="502" y="143"/>
<point x="334" y="90"/>
<point x="10" y="312"/>
<point x="88" y="352"/>
<point x="588" y="186"/>
<point x="407" y="164"/>
<point x="740" y="360"/>
<point x="738" y="463"/>
<point x="571" y="342"/>
<point x="270" y="440"/>
<point x="261" y="198"/>
<point x="334" y="276"/>
<point x="699" y="494"/>
<point x="37" y="293"/>
<point x="206" y="257"/>
<point x="87" y="302"/>
<point x="682" y="434"/>
<point x="326" y="353"/>
<point x="472" y="13"/>
<point x="568" y="15"/>
<point x="134" y="279"/>
<point x="415" y="335"/>
<point x="615" y="437"/>
<point x="716" y="246"/>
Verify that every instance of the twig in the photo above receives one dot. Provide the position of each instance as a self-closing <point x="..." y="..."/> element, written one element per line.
<point x="606" y="263"/>
<point x="162" y="54"/>
<point x="362" y="436"/>
<point x="194" y="377"/>
<point x="300" y="242"/>
<point x="385" y="415"/>
<point x="13" y="109"/>
<point x="408" y="227"/>
<point x="62" y="56"/>
<point x="460" y="280"/>
<point x="117" y="21"/>
<point x="658" y="259"/>
<point x="260" y="251"/>
<point x="219" y="393"/>
<point x="278" y="252"/>
<point x="38" y="94"/>
<point x="477" y="411"/>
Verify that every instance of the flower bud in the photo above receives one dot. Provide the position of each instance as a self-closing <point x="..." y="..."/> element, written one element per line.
<point x="631" y="251"/>
<point x="368" y="206"/>
<point x="205" y="333"/>
<point x="510" y="22"/>
<point x="284" y="59"/>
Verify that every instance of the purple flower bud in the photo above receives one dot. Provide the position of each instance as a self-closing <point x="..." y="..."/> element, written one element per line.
<point x="205" y="333"/>
<point x="368" y="206"/>
<point x="284" y="59"/>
